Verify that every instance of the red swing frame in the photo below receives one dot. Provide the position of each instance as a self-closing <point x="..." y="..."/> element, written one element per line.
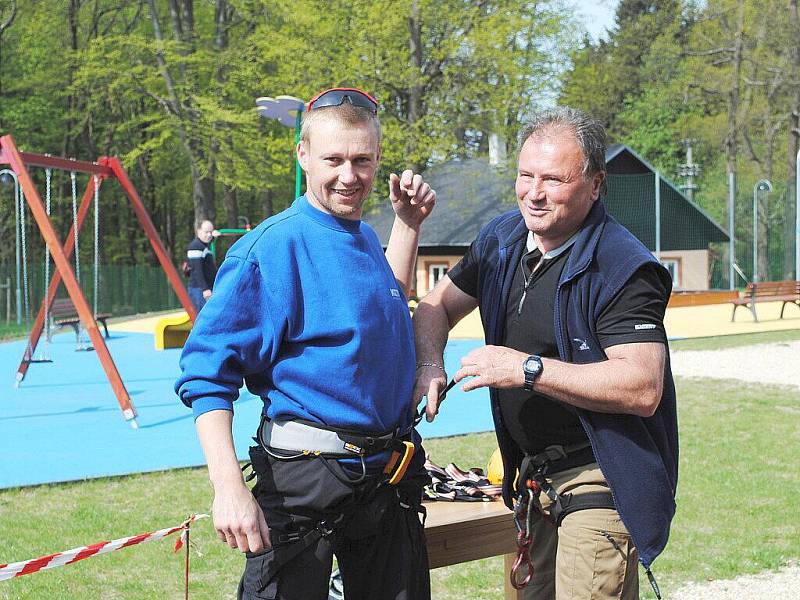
<point x="106" y="167"/>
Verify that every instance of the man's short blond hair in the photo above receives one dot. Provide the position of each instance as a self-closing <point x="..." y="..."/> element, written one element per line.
<point x="345" y="114"/>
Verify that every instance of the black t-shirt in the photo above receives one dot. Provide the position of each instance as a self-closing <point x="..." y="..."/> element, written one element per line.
<point x="635" y="314"/>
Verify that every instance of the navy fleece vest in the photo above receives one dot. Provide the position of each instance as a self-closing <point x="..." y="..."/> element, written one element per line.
<point x="638" y="456"/>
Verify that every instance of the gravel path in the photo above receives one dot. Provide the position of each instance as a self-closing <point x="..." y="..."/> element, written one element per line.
<point x="782" y="585"/>
<point x="777" y="363"/>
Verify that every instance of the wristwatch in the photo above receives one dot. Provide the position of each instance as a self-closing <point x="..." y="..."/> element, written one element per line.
<point x="532" y="367"/>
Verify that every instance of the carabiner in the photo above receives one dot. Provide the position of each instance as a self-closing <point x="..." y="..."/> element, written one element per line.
<point x="523" y="519"/>
<point x="523" y="557"/>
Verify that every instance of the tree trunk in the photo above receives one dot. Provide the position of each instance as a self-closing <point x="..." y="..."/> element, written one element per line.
<point x="789" y="268"/>
<point x="203" y="195"/>
<point x="731" y="138"/>
<point x="202" y="188"/>
<point x="266" y="203"/>
<point x="415" y="89"/>
<point x="68" y="146"/>
<point x="231" y="207"/>
<point x="5" y="22"/>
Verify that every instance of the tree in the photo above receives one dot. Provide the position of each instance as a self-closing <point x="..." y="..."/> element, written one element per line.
<point x="609" y="74"/>
<point x="8" y="12"/>
<point x="169" y="86"/>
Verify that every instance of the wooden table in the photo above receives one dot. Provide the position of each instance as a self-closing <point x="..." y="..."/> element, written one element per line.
<point x="462" y="531"/>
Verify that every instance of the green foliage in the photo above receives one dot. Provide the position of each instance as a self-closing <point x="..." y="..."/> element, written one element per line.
<point x="12" y="331"/>
<point x="176" y="101"/>
<point x="613" y="72"/>
<point x="668" y="72"/>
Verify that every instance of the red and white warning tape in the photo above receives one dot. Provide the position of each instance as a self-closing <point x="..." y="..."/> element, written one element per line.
<point x="59" y="559"/>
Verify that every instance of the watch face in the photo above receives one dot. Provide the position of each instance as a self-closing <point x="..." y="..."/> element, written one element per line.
<point x="532" y="365"/>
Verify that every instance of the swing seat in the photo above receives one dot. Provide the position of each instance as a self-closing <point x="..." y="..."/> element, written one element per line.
<point x="64" y="314"/>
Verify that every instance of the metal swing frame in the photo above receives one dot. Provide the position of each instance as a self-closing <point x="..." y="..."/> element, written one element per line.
<point x="106" y="167"/>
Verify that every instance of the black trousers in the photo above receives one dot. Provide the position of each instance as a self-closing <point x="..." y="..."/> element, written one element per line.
<point x="313" y="513"/>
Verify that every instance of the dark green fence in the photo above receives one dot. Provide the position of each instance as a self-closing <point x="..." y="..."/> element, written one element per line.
<point x="122" y="290"/>
<point x="685" y="226"/>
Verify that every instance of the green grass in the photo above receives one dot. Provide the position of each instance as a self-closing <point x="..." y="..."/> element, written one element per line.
<point x="736" y="511"/>
<point x="11" y="331"/>
<point x="733" y="341"/>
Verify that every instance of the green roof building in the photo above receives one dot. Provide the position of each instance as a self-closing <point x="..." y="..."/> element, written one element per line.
<point x="472" y="192"/>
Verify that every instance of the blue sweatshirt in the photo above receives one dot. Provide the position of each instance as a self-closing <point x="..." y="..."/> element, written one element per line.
<point x="307" y="312"/>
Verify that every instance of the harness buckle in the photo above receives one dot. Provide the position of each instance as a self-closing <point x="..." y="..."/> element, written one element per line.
<point x="402" y="453"/>
<point x="324" y="528"/>
<point x="549" y="455"/>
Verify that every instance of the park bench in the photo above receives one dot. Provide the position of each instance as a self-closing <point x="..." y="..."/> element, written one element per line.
<point x="63" y="313"/>
<point x="787" y="292"/>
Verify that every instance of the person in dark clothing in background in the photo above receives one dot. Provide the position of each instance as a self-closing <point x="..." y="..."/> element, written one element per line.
<point x="202" y="268"/>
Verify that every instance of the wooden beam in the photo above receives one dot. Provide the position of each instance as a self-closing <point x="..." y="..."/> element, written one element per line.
<point x="152" y="234"/>
<point x="12" y="155"/>
<point x="57" y="162"/>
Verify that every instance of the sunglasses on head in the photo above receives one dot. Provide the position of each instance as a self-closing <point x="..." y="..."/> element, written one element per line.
<point x="337" y="96"/>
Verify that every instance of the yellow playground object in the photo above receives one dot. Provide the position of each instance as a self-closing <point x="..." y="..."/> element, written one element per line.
<point x="494" y="470"/>
<point x="172" y="331"/>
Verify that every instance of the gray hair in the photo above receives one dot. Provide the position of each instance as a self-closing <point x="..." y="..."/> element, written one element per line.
<point x="589" y="133"/>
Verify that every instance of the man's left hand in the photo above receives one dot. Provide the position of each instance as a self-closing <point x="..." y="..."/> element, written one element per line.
<point x="412" y="199"/>
<point x="492" y="366"/>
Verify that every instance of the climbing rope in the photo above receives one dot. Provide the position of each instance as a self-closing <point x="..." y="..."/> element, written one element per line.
<point x="80" y="344"/>
<point x="73" y="178"/>
<point x="24" y="238"/>
<point x="44" y="355"/>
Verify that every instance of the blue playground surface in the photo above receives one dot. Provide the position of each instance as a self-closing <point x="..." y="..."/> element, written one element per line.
<point x="63" y="423"/>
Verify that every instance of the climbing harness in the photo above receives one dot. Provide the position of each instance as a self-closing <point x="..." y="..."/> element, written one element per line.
<point x="298" y="439"/>
<point x="531" y="482"/>
<point x="287" y="440"/>
<point x="527" y="509"/>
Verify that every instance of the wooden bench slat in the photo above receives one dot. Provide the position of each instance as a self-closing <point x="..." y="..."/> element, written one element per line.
<point x="787" y="292"/>
<point x="64" y="313"/>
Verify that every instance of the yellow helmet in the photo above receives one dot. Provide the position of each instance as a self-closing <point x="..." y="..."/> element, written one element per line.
<point x="494" y="470"/>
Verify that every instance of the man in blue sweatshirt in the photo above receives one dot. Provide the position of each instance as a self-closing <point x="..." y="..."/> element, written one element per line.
<point x="311" y="315"/>
<point x="572" y="306"/>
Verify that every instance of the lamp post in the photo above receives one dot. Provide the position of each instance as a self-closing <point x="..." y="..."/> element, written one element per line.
<point x="762" y="185"/>
<point x="731" y="230"/>
<point x="797" y="218"/>
<point x="288" y="111"/>
<point x="6" y="176"/>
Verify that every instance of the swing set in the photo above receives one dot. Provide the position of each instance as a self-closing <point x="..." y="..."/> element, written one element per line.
<point x="105" y="168"/>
